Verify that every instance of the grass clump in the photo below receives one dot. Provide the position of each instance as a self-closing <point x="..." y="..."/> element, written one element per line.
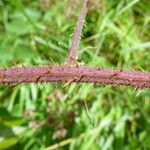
<point x="83" y="116"/>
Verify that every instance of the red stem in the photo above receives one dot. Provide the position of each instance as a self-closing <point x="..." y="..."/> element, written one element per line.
<point x="64" y="73"/>
<point x="77" y="35"/>
<point x="74" y="73"/>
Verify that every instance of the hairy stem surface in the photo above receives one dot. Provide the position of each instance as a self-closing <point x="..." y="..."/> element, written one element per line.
<point x="77" y="35"/>
<point x="70" y="72"/>
<point x="76" y="74"/>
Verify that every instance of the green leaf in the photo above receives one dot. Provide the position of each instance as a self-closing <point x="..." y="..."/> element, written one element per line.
<point x="18" y="26"/>
<point x="5" y="54"/>
<point x="9" y="136"/>
<point x="10" y="128"/>
<point x="34" y="14"/>
<point x="23" y="52"/>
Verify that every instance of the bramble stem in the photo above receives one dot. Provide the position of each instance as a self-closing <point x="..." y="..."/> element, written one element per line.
<point x="77" y="35"/>
<point x="76" y="74"/>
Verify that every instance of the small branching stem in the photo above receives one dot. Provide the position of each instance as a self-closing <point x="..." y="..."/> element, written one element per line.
<point x="72" y="72"/>
<point x="64" y="73"/>
<point x="77" y="35"/>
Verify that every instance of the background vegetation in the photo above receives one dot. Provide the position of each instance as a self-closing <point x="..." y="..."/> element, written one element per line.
<point x="83" y="116"/>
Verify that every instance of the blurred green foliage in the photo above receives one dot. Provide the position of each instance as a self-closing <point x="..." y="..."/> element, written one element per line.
<point x="83" y="116"/>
